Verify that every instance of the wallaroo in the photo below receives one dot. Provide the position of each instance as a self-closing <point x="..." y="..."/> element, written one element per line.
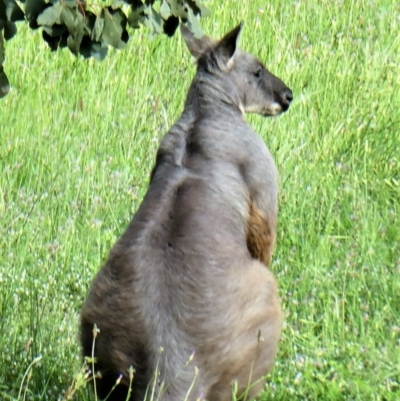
<point x="186" y="297"/>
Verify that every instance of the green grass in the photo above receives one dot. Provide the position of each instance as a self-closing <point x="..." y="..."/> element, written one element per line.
<point x="77" y="142"/>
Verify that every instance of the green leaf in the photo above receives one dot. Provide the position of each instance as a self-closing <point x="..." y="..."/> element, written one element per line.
<point x="13" y="11"/>
<point x="33" y="8"/>
<point x="75" y="24"/>
<point x="198" y="8"/>
<point x="4" y="84"/>
<point x="73" y="43"/>
<point x="99" y="52"/>
<point x="72" y="19"/>
<point x="50" y="15"/>
<point x="63" y="40"/>
<point x="204" y="11"/>
<point x="154" y="21"/>
<point x="98" y="27"/>
<point x="165" y="10"/>
<point x="193" y="24"/>
<point x="136" y="17"/>
<point x="114" y="27"/>
<point x="118" y="4"/>
<point x="177" y="8"/>
<point x="70" y="3"/>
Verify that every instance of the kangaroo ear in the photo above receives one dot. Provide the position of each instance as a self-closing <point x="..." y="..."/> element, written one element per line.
<point x="196" y="46"/>
<point x="226" y="47"/>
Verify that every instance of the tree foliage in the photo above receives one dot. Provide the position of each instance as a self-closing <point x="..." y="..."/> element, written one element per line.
<point x="89" y="29"/>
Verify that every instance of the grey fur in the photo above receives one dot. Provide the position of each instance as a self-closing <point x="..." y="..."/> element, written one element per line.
<point x="189" y="274"/>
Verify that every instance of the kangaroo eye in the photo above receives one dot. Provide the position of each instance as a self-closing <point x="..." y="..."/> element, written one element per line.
<point x="258" y="73"/>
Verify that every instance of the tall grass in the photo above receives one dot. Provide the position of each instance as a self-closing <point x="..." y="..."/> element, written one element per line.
<point x="78" y="140"/>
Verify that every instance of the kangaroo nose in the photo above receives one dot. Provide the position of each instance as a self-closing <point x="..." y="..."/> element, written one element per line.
<point x="288" y="96"/>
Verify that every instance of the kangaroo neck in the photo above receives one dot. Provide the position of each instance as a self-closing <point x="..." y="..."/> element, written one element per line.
<point x="208" y="97"/>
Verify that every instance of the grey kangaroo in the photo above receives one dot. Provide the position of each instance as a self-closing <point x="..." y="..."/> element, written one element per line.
<point x="186" y="297"/>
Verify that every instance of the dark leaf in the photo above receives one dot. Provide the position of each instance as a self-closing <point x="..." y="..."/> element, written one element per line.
<point x="85" y="47"/>
<point x="55" y="30"/>
<point x="124" y="37"/>
<point x="64" y="39"/>
<point x="170" y="25"/>
<point x="2" y="50"/>
<point x="10" y="30"/>
<point x="52" y="41"/>
<point x="33" y="8"/>
<point x="33" y="24"/>
<point x="13" y="11"/>
<point x="92" y="49"/>
<point x="90" y="20"/>
<point x="135" y="4"/>
<point x="50" y="15"/>
<point x="4" y="84"/>
<point x="3" y="15"/>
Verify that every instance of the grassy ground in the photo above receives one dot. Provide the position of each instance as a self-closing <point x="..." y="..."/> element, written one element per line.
<point x="77" y="142"/>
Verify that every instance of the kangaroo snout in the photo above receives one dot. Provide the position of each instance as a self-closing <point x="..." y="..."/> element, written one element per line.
<point x="282" y="99"/>
<point x="280" y="104"/>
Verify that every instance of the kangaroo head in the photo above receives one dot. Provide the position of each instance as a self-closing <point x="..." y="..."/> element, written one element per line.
<point x="259" y="91"/>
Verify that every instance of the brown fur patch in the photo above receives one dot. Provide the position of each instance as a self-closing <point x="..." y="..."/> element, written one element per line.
<point x="260" y="235"/>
